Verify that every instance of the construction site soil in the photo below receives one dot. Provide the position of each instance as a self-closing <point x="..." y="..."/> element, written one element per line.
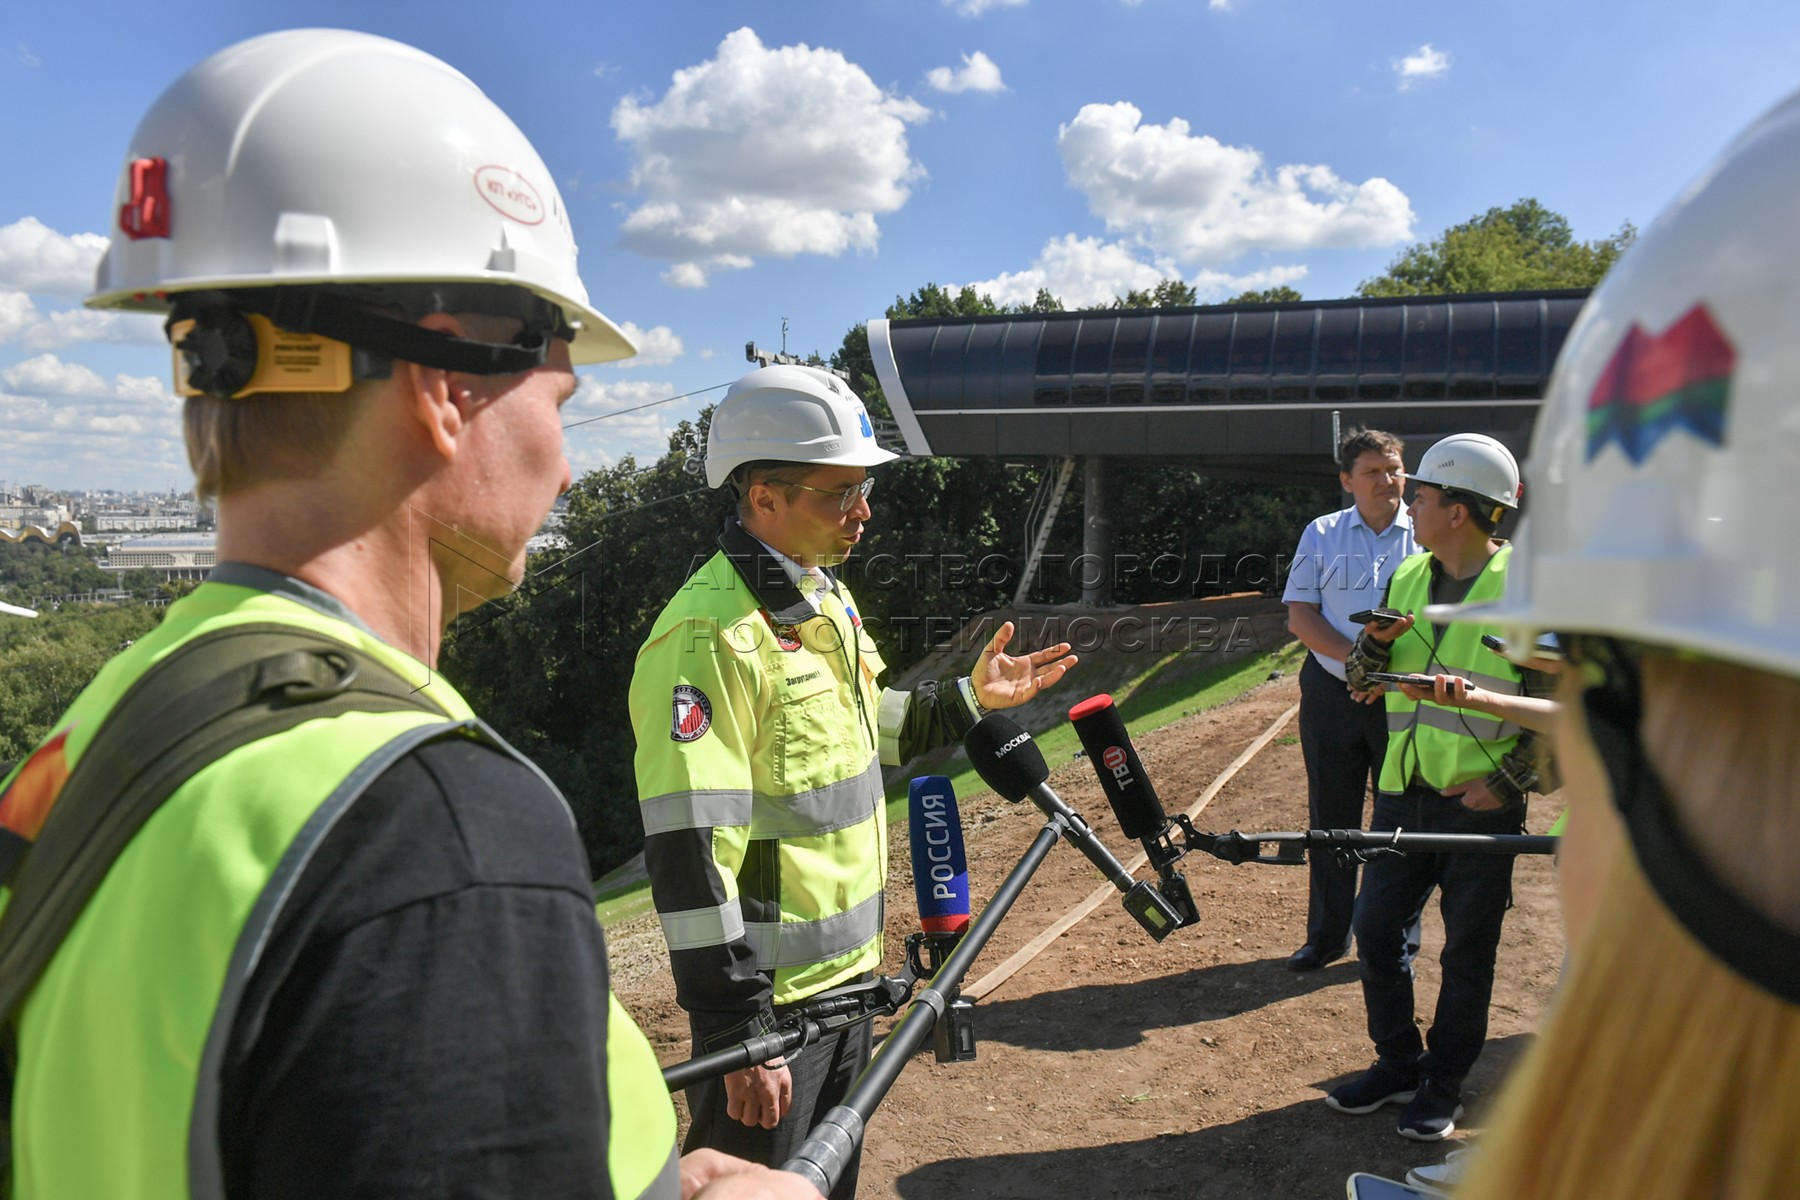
<point x="1111" y="1065"/>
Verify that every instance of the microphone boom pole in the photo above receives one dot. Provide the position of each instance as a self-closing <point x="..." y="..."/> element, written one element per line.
<point x="833" y="1141"/>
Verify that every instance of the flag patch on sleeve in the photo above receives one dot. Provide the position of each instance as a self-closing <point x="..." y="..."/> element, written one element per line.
<point x="692" y="715"/>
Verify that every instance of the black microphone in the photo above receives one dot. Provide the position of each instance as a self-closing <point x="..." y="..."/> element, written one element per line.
<point x="1133" y="798"/>
<point x="1009" y="762"/>
<point x="940" y="866"/>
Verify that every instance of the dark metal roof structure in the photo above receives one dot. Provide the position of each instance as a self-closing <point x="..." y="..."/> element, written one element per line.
<point x="1252" y="386"/>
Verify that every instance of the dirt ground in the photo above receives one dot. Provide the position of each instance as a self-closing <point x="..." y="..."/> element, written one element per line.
<point x="1114" y="1066"/>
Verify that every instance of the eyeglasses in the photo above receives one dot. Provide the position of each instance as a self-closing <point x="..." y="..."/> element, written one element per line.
<point x="846" y="499"/>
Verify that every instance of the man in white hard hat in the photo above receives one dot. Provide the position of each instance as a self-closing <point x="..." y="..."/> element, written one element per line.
<point x="1446" y="770"/>
<point x="283" y="917"/>
<point x="761" y="732"/>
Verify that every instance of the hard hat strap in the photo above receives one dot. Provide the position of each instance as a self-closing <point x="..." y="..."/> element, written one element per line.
<point x="1732" y="929"/>
<point x="310" y="310"/>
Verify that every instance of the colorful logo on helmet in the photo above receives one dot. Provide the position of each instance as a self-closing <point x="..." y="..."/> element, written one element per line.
<point x="868" y="429"/>
<point x="1653" y="386"/>
<point x="510" y="194"/>
<point x="692" y="715"/>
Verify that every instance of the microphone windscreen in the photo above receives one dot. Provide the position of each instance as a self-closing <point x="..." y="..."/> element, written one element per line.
<point x="1134" y="801"/>
<point x="940" y="864"/>
<point x="1005" y="756"/>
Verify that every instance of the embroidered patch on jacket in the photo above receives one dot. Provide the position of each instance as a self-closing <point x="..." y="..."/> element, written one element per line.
<point x="786" y="636"/>
<point x="693" y="713"/>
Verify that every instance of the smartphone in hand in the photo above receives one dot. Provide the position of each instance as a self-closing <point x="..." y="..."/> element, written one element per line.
<point x="1422" y="681"/>
<point x="1380" y="616"/>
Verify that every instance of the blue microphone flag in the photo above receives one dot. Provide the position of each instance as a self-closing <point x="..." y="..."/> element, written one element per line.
<point x="940" y="865"/>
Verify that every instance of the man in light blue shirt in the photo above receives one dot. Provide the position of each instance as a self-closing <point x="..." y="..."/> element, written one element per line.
<point x="1342" y="566"/>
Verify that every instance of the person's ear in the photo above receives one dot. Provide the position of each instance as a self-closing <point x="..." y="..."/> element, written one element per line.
<point x="439" y="403"/>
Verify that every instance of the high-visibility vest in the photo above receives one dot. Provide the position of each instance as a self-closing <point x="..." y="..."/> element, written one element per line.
<point x="765" y="733"/>
<point x="120" y="1043"/>
<point x="1430" y="743"/>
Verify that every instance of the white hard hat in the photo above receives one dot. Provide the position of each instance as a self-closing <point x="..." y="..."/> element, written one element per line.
<point x="1664" y="466"/>
<point x="790" y="414"/>
<point x="320" y="157"/>
<point x="1474" y="463"/>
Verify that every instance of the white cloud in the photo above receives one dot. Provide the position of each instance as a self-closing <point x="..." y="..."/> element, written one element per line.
<point x="36" y="258"/>
<point x="657" y="346"/>
<point x="1081" y="272"/>
<point x="644" y="432"/>
<point x="1199" y="201"/>
<point x="1423" y="63"/>
<point x="685" y="275"/>
<point x="48" y="375"/>
<point x="22" y="323"/>
<point x="65" y="422"/>
<point x="1219" y="5"/>
<point x="27" y="58"/>
<point x="1089" y="273"/>
<point x="708" y="354"/>
<point x="764" y="152"/>
<point x="979" y="74"/>
<point x="974" y="8"/>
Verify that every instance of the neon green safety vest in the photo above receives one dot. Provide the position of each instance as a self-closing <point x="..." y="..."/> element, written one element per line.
<point x="765" y="732"/>
<point x="1437" y="745"/>
<point x="119" y="1044"/>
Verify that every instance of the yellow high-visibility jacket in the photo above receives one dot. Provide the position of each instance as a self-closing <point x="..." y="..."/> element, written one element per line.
<point x="761" y="731"/>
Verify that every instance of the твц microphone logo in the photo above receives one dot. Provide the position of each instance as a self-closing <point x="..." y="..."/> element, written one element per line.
<point x="1114" y="759"/>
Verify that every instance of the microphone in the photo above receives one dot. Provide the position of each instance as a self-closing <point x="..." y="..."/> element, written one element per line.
<point x="1009" y="762"/>
<point x="940" y="866"/>
<point x="1133" y="798"/>
<point x="1134" y="801"/>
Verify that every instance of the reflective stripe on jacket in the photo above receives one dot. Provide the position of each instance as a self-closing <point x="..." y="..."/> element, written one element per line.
<point x="1427" y="742"/>
<point x="121" y="1042"/>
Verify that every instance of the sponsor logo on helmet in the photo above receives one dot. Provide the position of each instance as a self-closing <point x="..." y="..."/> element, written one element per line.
<point x="692" y="715"/>
<point x="510" y="194"/>
<point x="868" y="429"/>
<point x="1655" y="385"/>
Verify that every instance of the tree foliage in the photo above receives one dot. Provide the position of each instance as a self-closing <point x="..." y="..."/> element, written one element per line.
<point x="1526" y="246"/>
<point x="45" y="663"/>
<point x="1275" y="295"/>
<point x="1170" y="293"/>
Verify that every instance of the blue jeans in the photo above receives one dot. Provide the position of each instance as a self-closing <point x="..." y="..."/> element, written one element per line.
<point x="1476" y="891"/>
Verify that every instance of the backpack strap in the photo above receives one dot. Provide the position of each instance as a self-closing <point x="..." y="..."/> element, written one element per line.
<point x="210" y="696"/>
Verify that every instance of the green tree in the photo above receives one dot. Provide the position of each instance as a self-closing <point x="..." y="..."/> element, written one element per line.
<point x="1526" y="246"/>
<point x="1170" y="293"/>
<point x="1274" y="295"/>
<point x="45" y="663"/>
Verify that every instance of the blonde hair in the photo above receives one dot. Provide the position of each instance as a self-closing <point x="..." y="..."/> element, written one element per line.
<point x="1660" y="1073"/>
<point x="232" y="444"/>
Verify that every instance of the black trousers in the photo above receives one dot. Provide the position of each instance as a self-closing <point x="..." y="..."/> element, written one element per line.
<point x="822" y="1074"/>
<point x="1342" y="742"/>
<point x="1476" y="890"/>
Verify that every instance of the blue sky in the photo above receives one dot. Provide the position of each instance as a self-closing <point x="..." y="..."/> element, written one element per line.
<point x="728" y="165"/>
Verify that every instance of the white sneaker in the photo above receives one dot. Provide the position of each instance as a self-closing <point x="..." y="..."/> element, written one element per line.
<point x="1439" y="1177"/>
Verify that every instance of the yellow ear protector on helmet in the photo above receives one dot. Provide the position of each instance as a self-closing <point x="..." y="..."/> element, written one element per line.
<point x="226" y="353"/>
